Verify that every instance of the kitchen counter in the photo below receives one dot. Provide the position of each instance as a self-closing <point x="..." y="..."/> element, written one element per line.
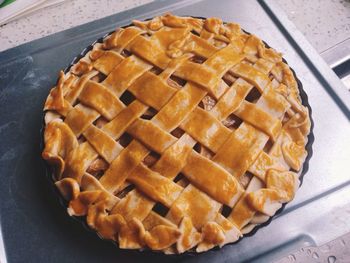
<point x="57" y="18"/>
<point x="325" y="23"/>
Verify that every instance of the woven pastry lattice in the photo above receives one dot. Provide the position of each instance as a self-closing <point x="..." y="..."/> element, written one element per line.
<point x="176" y="134"/>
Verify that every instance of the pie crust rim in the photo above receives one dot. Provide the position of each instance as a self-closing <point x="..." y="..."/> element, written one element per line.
<point x="50" y="174"/>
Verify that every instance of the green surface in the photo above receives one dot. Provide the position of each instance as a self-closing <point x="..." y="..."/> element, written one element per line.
<point x="6" y="3"/>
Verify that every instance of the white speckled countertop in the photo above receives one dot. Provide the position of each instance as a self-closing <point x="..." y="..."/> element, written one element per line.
<point x="57" y="18"/>
<point x="324" y="22"/>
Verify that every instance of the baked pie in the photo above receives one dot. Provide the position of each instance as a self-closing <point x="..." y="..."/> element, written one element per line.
<point x="176" y="134"/>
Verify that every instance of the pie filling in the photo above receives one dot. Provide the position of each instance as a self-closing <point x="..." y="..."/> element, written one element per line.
<point x="176" y="134"/>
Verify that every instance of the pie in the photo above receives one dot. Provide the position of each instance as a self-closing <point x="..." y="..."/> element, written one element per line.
<point x="176" y="134"/>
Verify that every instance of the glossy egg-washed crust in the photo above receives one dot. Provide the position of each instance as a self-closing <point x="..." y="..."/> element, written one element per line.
<point x="176" y="134"/>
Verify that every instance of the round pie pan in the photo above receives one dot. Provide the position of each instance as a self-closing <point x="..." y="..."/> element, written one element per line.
<point x="308" y="147"/>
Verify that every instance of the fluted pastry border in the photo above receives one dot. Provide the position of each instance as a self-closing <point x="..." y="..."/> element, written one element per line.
<point x="308" y="147"/>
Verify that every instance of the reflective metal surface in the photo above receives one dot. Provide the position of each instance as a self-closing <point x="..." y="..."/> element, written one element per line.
<point x="338" y="58"/>
<point x="337" y="54"/>
<point x="335" y="251"/>
<point x="36" y="229"/>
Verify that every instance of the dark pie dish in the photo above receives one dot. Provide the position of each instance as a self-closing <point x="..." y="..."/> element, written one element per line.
<point x="164" y="227"/>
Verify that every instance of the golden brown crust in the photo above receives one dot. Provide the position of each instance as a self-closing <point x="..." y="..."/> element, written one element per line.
<point x="176" y="134"/>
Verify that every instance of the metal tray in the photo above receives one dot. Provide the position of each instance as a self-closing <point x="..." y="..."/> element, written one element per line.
<point x="35" y="227"/>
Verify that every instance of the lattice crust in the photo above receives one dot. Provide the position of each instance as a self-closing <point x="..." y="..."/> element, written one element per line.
<point x="176" y="134"/>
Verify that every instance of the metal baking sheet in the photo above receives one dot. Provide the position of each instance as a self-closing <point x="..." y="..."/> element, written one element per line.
<point x="34" y="226"/>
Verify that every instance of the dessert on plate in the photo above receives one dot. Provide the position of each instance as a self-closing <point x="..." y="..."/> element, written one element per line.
<point x="176" y="134"/>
